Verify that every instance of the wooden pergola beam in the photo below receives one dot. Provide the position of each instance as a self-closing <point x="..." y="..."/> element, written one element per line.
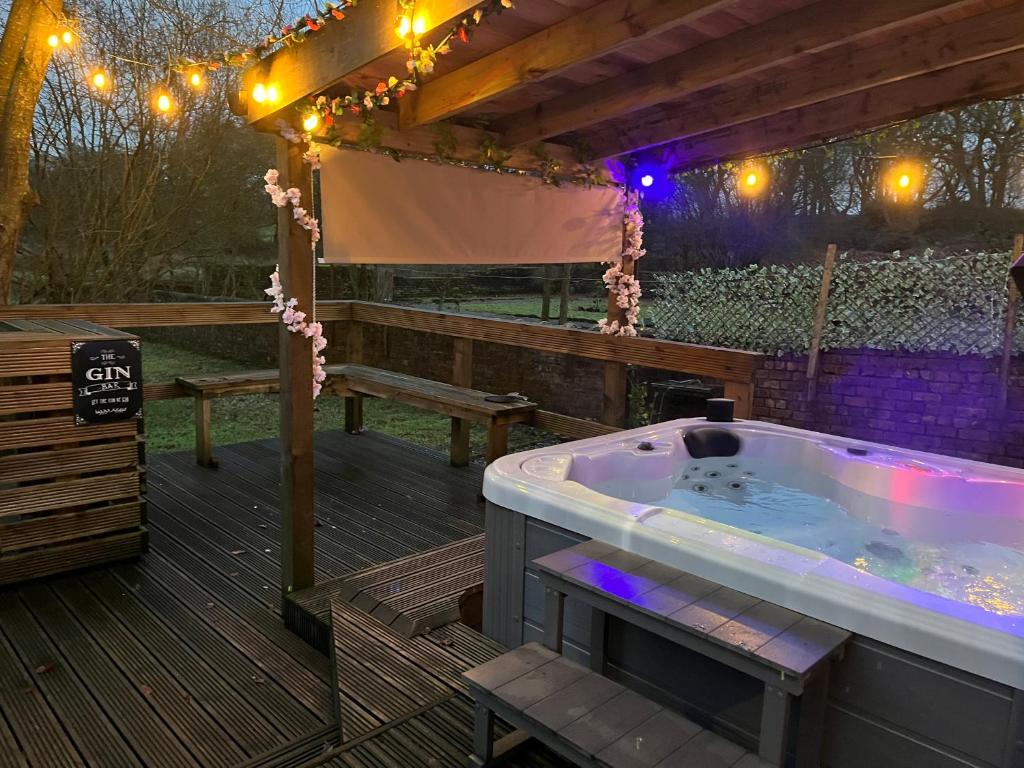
<point x="838" y="74"/>
<point x="424" y="141"/>
<point x="335" y="51"/>
<point x="579" y="38"/>
<point x="811" y="29"/>
<point x="992" y="78"/>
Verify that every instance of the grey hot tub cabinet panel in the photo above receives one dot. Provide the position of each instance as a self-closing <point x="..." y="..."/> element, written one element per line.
<point x="887" y="707"/>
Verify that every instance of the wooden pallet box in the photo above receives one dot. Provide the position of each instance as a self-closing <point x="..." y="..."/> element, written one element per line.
<point x="71" y="495"/>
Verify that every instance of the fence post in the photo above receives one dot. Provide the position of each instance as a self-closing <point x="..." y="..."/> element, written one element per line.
<point x="545" y="301"/>
<point x="814" y="354"/>
<point x="1012" y="297"/>
<point x="462" y="376"/>
<point x="563" y="306"/>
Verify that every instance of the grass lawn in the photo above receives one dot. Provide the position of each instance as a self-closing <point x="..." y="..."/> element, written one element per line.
<point x="169" y="423"/>
<point x="581" y="308"/>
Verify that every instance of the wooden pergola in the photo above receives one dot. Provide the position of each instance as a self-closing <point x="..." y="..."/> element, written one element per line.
<point x="684" y="83"/>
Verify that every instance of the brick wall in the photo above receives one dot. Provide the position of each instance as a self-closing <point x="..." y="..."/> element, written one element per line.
<point x="939" y="402"/>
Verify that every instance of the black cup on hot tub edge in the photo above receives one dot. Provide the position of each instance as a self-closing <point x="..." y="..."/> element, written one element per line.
<point x="720" y="409"/>
<point x="704" y="442"/>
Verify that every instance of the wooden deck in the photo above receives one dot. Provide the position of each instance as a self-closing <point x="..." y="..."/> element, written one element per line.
<point x="181" y="658"/>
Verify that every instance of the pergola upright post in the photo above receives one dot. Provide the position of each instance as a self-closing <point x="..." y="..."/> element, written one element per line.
<point x="295" y="264"/>
<point x="614" y="406"/>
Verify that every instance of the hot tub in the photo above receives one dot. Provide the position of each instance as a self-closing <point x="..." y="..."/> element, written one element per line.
<point x="921" y="554"/>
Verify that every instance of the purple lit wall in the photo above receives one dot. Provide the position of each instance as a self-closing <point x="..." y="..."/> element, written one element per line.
<point x="938" y="402"/>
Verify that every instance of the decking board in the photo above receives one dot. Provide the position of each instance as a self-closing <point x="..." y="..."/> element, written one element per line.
<point x="200" y="626"/>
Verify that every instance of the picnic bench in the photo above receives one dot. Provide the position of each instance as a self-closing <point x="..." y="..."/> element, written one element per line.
<point x="594" y="721"/>
<point x="353" y="382"/>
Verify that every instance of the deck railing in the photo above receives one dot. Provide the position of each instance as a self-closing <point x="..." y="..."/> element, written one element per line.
<point x="735" y="368"/>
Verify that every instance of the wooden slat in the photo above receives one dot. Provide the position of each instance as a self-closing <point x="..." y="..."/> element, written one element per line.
<point x="169" y="314"/>
<point x="992" y="78"/>
<point x="57" y="430"/>
<point x="35" y="398"/>
<point x="62" y="494"/>
<point x="838" y="74"/>
<point x="168" y="391"/>
<point x="50" y="529"/>
<point x="715" y="362"/>
<point x="750" y="50"/>
<point x="570" y="427"/>
<point x="366" y="34"/>
<point x="248" y="382"/>
<point x="41" y="465"/>
<point x="36" y="563"/>
<point x="579" y="38"/>
<point x="423" y="141"/>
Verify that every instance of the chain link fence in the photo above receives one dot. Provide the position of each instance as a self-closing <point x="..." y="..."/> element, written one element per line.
<point x="953" y="303"/>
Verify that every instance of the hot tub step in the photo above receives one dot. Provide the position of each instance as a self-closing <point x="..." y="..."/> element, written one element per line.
<point x="587" y="718"/>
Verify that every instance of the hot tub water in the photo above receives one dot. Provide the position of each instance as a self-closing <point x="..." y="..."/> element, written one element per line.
<point x="924" y="549"/>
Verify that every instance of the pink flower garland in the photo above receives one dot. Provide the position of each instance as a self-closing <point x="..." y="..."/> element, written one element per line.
<point x="293" y="318"/>
<point x="626" y="288"/>
<point x="281" y="197"/>
<point x="296" y="323"/>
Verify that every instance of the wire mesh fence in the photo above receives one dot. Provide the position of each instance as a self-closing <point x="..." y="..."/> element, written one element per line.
<point x="953" y="303"/>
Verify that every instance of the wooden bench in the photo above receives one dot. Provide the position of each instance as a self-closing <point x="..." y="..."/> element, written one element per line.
<point x="205" y="389"/>
<point x="355" y="381"/>
<point x="594" y="721"/>
<point x="462" y="404"/>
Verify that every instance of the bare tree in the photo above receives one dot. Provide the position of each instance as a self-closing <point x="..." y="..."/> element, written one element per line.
<point x="24" y="55"/>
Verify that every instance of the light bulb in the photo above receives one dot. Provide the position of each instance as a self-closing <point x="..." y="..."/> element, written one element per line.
<point x="195" y="79"/>
<point x="99" y="79"/>
<point x="164" y="103"/>
<point x="273" y="93"/>
<point x="404" y="25"/>
<point x="311" y="121"/>
<point x="646" y="180"/>
<point x="904" y="181"/>
<point x="53" y="40"/>
<point x="419" y="26"/>
<point x="259" y="93"/>
<point x="66" y="37"/>
<point x="751" y="179"/>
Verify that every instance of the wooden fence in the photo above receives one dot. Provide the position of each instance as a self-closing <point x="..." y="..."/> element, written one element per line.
<point x="733" y="367"/>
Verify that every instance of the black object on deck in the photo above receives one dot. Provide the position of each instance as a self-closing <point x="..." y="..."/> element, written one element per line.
<point x="720" y="409"/>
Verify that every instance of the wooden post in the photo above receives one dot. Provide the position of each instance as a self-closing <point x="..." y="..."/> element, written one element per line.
<point x="563" y="306"/>
<point x="742" y="392"/>
<point x="545" y="300"/>
<point x="814" y="354"/>
<point x="354" y="354"/>
<point x="1012" y="299"/>
<point x="462" y="376"/>
<point x="204" y="443"/>
<point x="295" y="260"/>
<point x="614" y="404"/>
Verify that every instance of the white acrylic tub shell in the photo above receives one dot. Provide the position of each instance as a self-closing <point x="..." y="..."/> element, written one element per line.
<point x="536" y="484"/>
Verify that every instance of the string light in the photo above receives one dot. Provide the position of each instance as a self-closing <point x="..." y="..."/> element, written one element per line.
<point x="100" y="80"/>
<point x="273" y="93"/>
<point x="752" y="179"/>
<point x="195" y="79"/>
<point x="310" y="121"/>
<point x="903" y="180"/>
<point x="407" y="23"/>
<point x="259" y="93"/>
<point x="67" y="37"/>
<point x="266" y="93"/>
<point x="53" y="40"/>
<point x="163" y="102"/>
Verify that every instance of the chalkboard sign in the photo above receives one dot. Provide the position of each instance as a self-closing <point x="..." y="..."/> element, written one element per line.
<point x="107" y="380"/>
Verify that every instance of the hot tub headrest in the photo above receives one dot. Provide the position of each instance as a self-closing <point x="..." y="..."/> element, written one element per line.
<point x="703" y="442"/>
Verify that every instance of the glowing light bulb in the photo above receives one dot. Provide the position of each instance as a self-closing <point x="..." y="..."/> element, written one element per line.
<point x="259" y="93"/>
<point x="66" y="37"/>
<point x="904" y="181"/>
<point x="404" y="27"/>
<point x="311" y="121"/>
<point x="195" y="79"/>
<point x="53" y="40"/>
<point x="273" y="93"/>
<point x="646" y="180"/>
<point x="164" y="103"/>
<point x="751" y="180"/>
<point x="99" y="79"/>
<point x="419" y="26"/>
